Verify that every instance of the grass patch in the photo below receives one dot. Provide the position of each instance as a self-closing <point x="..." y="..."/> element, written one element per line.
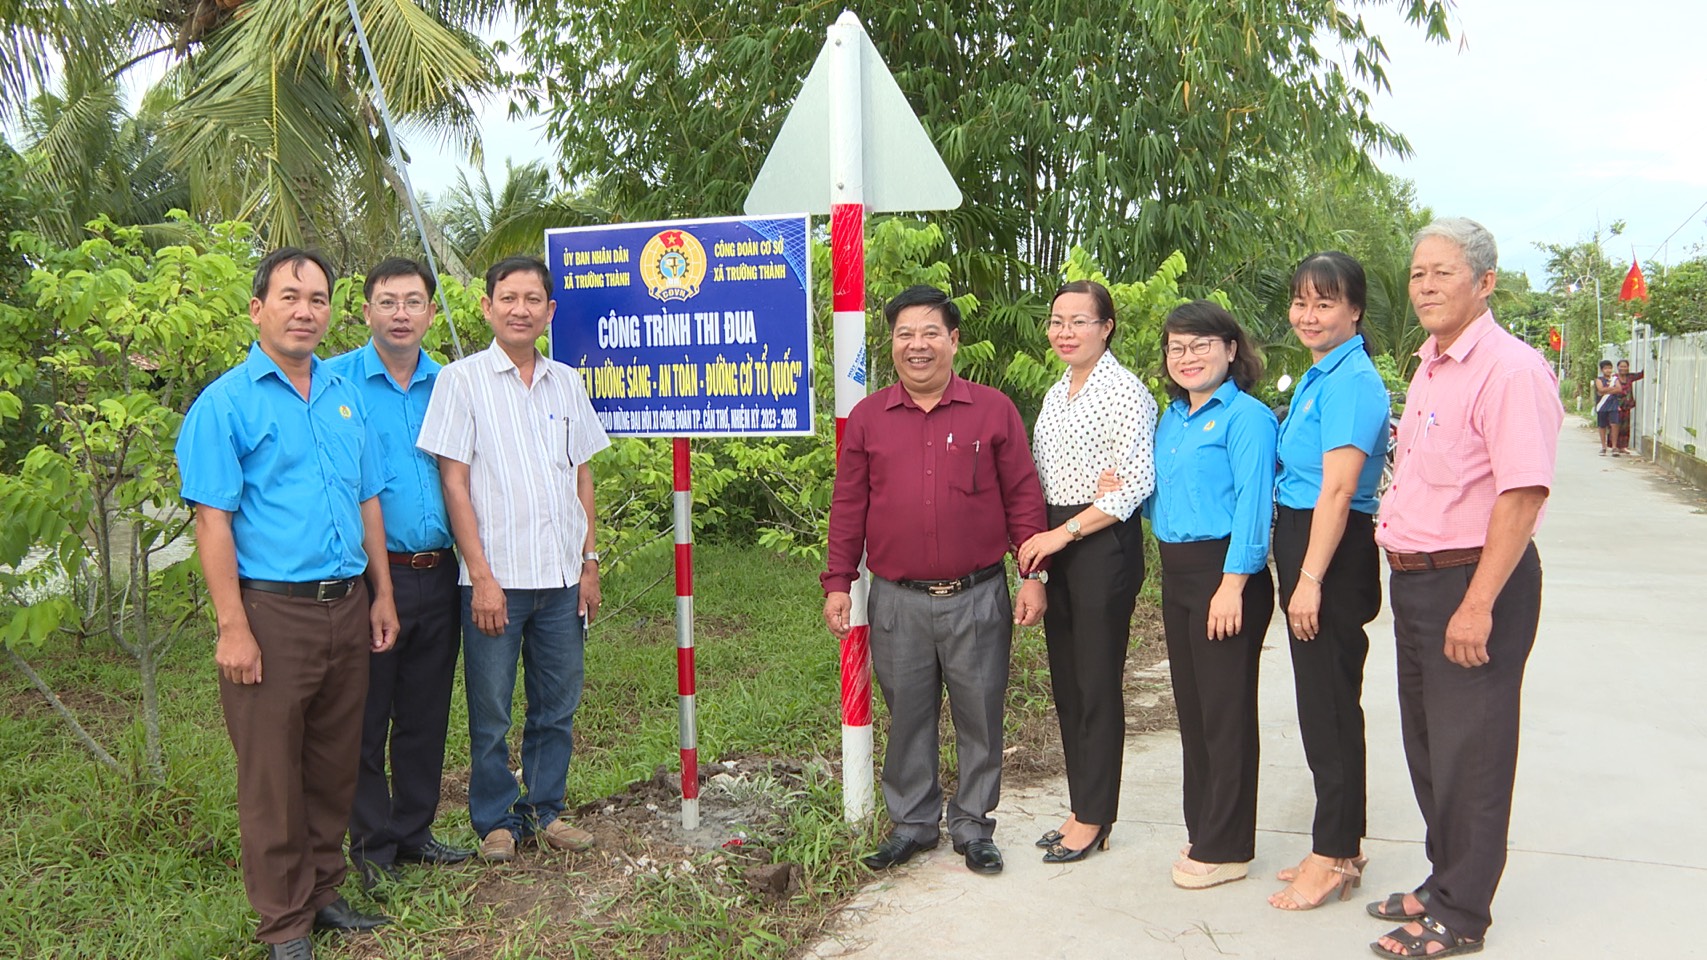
<point x="97" y="867"/>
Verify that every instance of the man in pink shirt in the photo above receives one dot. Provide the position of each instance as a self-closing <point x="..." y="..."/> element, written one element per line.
<point x="936" y="485"/>
<point x="1474" y="466"/>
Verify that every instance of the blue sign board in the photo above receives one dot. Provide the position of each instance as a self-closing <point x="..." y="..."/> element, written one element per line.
<point x="687" y="328"/>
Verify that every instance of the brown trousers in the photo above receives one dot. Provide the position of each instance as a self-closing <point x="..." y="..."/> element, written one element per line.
<point x="297" y="735"/>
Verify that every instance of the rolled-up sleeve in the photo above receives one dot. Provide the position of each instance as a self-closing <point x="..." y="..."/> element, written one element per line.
<point x="208" y="463"/>
<point x="1251" y="437"/>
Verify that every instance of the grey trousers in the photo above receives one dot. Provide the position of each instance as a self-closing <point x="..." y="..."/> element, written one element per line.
<point x="1460" y="728"/>
<point x="919" y="644"/>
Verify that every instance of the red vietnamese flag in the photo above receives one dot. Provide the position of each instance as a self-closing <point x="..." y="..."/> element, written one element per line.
<point x="1635" y="285"/>
<point x="1554" y="340"/>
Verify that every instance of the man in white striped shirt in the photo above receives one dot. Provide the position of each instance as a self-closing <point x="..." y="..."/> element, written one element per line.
<point x="513" y="431"/>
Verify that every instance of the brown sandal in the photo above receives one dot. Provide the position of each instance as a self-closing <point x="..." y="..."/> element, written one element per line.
<point x="1349" y="875"/>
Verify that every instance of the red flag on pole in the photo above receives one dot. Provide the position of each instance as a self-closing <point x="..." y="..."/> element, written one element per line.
<point x="1635" y="285"/>
<point x="1554" y="340"/>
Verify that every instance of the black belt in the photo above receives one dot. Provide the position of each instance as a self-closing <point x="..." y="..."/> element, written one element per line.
<point x="948" y="588"/>
<point x="420" y="560"/>
<point x="324" y="591"/>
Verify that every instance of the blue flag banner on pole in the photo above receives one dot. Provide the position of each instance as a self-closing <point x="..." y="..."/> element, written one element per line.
<point x="688" y="328"/>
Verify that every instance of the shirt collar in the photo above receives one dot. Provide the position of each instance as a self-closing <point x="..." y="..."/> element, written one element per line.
<point x="1223" y="395"/>
<point x="259" y="364"/>
<point x="956" y="392"/>
<point x="1336" y="356"/>
<point x="498" y="361"/>
<point x="373" y="366"/>
<point x="1466" y="342"/>
<point x="1102" y="370"/>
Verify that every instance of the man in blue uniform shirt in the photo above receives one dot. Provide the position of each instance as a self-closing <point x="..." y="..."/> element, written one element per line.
<point x="284" y="472"/>
<point x="408" y="692"/>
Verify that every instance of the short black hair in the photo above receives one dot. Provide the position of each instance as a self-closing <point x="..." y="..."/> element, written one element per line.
<point x="295" y="257"/>
<point x="509" y="265"/>
<point x="398" y="267"/>
<point x="1605" y="363"/>
<point x="923" y="295"/>
<point x="1206" y="318"/>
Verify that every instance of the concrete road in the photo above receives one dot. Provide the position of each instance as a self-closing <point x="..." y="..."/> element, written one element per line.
<point x="1609" y="828"/>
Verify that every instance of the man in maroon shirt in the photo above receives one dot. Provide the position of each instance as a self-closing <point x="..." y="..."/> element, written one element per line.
<point x="935" y="485"/>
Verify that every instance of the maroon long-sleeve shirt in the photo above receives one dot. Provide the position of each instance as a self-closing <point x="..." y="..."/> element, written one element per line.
<point x="931" y="495"/>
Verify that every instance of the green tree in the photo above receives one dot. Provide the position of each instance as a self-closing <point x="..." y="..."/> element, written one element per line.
<point x="272" y="118"/>
<point x="94" y="159"/>
<point x="1131" y="129"/>
<point x="119" y="338"/>
<point x="1677" y="297"/>
<point x="486" y="224"/>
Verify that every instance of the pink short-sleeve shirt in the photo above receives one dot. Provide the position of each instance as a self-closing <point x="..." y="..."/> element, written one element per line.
<point x="1480" y="419"/>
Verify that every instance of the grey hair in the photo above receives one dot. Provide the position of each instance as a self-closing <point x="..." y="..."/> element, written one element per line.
<point x="1480" y="251"/>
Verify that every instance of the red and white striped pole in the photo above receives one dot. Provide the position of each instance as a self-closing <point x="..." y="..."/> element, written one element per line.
<point x="682" y="507"/>
<point x="847" y="282"/>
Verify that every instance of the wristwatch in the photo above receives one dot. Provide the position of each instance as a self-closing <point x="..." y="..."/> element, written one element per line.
<point x="591" y="556"/>
<point x="1072" y="528"/>
<point x="1041" y="576"/>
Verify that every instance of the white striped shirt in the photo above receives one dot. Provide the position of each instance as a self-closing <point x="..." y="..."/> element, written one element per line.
<point x="522" y="445"/>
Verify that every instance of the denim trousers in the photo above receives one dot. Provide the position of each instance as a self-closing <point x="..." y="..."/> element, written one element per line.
<point x="544" y="632"/>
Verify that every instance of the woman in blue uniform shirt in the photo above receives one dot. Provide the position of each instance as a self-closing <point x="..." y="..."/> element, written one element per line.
<point x="1332" y="446"/>
<point x="1211" y="513"/>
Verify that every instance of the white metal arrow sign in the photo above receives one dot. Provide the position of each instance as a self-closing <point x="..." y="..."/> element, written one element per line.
<point x="901" y="167"/>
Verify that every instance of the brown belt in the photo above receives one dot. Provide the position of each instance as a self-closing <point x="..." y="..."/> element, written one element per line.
<point x="1439" y="560"/>
<point x="424" y="560"/>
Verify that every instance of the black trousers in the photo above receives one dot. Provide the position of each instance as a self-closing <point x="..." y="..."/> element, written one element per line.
<point x="1460" y="729"/>
<point x="407" y="712"/>
<point x="1215" y="693"/>
<point x="1327" y="673"/>
<point x="1093" y="585"/>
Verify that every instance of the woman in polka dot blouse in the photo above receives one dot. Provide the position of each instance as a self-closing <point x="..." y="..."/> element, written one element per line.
<point x="1098" y="417"/>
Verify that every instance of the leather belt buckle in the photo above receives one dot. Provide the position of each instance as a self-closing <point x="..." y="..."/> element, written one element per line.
<point x="943" y="588"/>
<point x="425" y="560"/>
<point x="328" y="590"/>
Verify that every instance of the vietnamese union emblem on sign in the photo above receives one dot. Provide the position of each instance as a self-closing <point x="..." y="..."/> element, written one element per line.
<point x="673" y="265"/>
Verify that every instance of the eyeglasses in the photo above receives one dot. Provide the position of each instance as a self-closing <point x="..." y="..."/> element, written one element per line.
<point x="1198" y="347"/>
<point x="414" y="305"/>
<point x="1078" y="324"/>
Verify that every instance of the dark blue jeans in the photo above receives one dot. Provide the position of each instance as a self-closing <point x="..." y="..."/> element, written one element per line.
<point x="545" y="633"/>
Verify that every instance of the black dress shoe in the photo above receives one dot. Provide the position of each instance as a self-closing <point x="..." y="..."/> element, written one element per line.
<point x="298" y="949"/>
<point x="339" y="915"/>
<point x="376" y="876"/>
<point x="433" y="851"/>
<point x="897" y="850"/>
<point x="982" y="856"/>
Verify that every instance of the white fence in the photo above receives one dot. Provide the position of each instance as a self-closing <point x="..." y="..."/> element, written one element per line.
<point x="1671" y="401"/>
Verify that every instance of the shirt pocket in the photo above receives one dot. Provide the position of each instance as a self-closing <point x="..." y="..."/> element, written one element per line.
<point x="1439" y="453"/>
<point x="969" y="470"/>
<point x="341" y="445"/>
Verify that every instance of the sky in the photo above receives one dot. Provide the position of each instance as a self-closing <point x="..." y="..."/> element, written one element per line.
<point x="1544" y="117"/>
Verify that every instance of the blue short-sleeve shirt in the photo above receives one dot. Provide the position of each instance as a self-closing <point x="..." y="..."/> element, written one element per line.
<point x="413" y="501"/>
<point x="1215" y="476"/>
<point x="1340" y="402"/>
<point x="292" y="473"/>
